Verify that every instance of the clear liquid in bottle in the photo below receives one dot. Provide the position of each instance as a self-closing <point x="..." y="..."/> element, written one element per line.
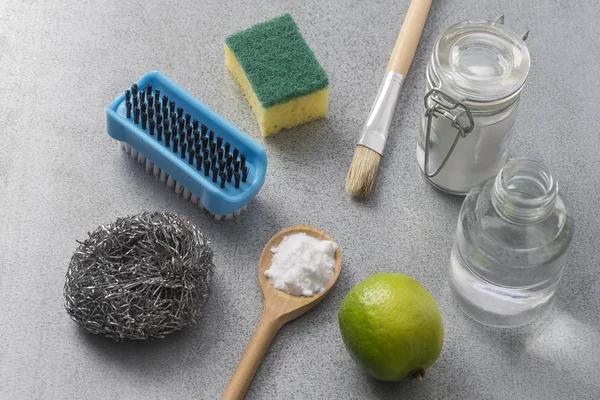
<point x="511" y="245"/>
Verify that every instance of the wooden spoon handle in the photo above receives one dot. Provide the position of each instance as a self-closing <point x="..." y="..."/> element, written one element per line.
<point x="257" y="347"/>
<point x="409" y="36"/>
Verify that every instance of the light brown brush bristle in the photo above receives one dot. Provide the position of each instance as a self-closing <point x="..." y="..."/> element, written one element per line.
<point x="363" y="171"/>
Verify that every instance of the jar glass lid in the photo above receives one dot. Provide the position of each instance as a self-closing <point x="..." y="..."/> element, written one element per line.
<point x="481" y="61"/>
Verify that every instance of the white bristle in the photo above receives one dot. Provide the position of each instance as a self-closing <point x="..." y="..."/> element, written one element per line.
<point x="171" y="182"/>
<point x="163" y="177"/>
<point x="178" y="188"/>
<point x="149" y="165"/>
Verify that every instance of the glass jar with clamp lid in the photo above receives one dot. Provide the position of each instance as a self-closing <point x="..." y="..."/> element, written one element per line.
<point x="474" y="81"/>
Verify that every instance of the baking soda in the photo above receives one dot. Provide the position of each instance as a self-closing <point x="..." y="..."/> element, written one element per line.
<point x="302" y="265"/>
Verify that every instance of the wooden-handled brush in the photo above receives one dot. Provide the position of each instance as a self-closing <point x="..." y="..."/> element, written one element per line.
<point x="365" y="163"/>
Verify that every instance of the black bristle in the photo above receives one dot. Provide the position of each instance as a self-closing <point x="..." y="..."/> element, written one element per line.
<point x="213" y="147"/>
<point x="128" y="95"/>
<point x="142" y="96"/>
<point x="159" y="130"/>
<point x="243" y="160"/>
<point x="227" y="147"/>
<point x="157" y="94"/>
<point x="167" y="138"/>
<point x="195" y="124"/>
<point x="165" y="112"/>
<point x="134" y="89"/>
<point x="149" y="89"/>
<point x="220" y="153"/>
<point x="144" y="120"/>
<point x="205" y="155"/>
<point x="157" y="107"/>
<point x="206" y="167"/>
<point x="179" y="112"/>
<point x="158" y="119"/>
<point x="136" y="115"/>
<point x="183" y="149"/>
<point x="166" y="124"/>
<point x="213" y="161"/>
<point x="211" y="136"/>
<point x="172" y="107"/>
<point x="128" y="107"/>
<point x="237" y="180"/>
<point x="152" y="125"/>
<point x="174" y="130"/>
<point x="196" y="136"/>
<point x="228" y="159"/>
<point x="235" y="154"/>
<point x="136" y="101"/>
<point x="229" y="174"/>
<point x="223" y="177"/>
<point x="144" y="107"/>
<point x="219" y="141"/>
<point x="150" y="112"/>
<point x="244" y="174"/>
<point x="181" y="137"/>
<point x="181" y="124"/>
<point x="197" y="147"/>
<point x="191" y="154"/>
<point x="175" y="143"/>
<point x="198" y="162"/>
<point x="203" y="130"/>
<point x="150" y="99"/>
<point x="221" y="165"/>
<point x="173" y="120"/>
<point x="215" y="174"/>
<point x="205" y="143"/>
<point x="189" y="130"/>
<point x="165" y="101"/>
<point x="236" y="166"/>
<point x="188" y="118"/>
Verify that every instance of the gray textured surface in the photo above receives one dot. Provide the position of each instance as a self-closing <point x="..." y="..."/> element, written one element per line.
<point x="61" y="175"/>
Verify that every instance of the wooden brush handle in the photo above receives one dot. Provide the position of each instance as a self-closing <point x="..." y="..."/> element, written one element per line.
<point x="257" y="347"/>
<point x="409" y="36"/>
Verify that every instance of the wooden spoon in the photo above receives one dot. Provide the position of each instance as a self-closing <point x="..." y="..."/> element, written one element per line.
<point x="278" y="308"/>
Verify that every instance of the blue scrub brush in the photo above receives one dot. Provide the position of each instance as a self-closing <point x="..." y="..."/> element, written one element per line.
<point x="186" y="145"/>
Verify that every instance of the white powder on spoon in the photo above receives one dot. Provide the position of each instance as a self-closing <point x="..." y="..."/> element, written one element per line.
<point x="302" y="265"/>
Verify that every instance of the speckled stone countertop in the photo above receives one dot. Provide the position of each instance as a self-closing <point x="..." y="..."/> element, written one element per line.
<point x="61" y="175"/>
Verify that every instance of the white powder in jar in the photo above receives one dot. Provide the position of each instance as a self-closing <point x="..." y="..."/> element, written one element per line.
<point x="302" y="265"/>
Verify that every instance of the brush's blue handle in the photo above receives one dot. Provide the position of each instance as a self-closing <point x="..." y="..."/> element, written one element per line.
<point x="215" y="199"/>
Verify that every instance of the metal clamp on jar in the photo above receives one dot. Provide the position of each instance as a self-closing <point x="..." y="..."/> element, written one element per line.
<point x="474" y="81"/>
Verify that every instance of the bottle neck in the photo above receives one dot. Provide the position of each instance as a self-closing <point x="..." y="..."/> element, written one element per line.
<point x="524" y="191"/>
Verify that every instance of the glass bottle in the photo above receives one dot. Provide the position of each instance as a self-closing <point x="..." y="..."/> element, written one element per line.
<point x="511" y="245"/>
<point x="475" y="77"/>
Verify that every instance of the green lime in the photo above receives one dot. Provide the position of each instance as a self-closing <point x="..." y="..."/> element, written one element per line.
<point x="392" y="327"/>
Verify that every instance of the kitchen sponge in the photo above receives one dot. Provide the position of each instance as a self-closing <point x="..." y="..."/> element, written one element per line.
<point x="278" y="74"/>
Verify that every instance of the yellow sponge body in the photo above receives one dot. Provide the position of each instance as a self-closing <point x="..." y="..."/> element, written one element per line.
<point x="280" y="116"/>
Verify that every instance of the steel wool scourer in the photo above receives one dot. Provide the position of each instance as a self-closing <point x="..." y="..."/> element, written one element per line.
<point x="140" y="277"/>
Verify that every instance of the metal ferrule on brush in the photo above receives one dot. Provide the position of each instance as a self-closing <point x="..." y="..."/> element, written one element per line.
<point x="375" y="132"/>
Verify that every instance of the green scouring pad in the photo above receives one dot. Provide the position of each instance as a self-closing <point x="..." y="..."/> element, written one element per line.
<point x="278" y="74"/>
